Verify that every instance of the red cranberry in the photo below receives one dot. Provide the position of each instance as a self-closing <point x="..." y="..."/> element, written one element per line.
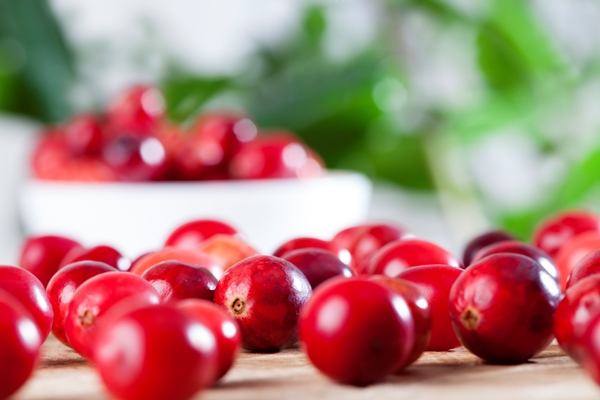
<point x="435" y="282"/>
<point x="318" y="265"/>
<point x="502" y="308"/>
<point x="301" y="243"/>
<point x="552" y="233"/>
<point x="105" y="254"/>
<point x="399" y="255"/>
<point x="213" y="141"/>
<point x="84" y="135"/>
<point x="573" y="251"/>
<point x="187" y="256"/>
<point x="174" y="280"/>
<point x="278" y="155"/>
<point x="481" y="241"/>
<point x="62" y="286"/>
<point x="419" y="309"/>
<point x="137" y="110"/>
<point x="93" y="298"/>
<point x="41" y="255"/>
<point x="192" y="233"/>
<point x="136" y="158"/>
<point x="589" y="265"/>
<point x="574" y="312"/>
<point x="155" y="352"/>
<point x="222" y="325"/>
<point x="20" y="343"/>
<point x="28" y="289"/>
<point x="515" y="247"/>
<point x="356" y="331"/>
<point x="362" y="241"/>
<point x="226" y="250"/>
<point x="265" y="295"/>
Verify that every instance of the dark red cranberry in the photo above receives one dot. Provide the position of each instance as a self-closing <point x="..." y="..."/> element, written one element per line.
<point x="515" y="247"/>
<point x="481" y="241"/>
<point x="318" y="265"/>
<point x="136" y="158"/>
<point x="502" y="308"/>
<point x="264" y="294"/>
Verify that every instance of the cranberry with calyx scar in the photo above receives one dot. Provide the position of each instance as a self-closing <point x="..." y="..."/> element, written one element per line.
<point x="62" y="286"/>
<point x="264" y="294"/>
<point x="502" y="298"/>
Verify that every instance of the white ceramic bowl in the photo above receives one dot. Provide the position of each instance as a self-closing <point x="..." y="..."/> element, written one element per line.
<point x="138" y="217"/>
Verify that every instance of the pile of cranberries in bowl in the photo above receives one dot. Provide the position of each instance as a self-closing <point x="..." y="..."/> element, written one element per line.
<point x="362" y="305"/>
<point x="133" y="141"/>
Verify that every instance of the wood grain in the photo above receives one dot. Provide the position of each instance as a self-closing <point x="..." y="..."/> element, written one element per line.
<point x="289" y="375"/>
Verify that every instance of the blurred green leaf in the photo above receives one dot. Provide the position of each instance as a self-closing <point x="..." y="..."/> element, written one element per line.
<point x="47" y="74"/>
<point x="185" y="96"/>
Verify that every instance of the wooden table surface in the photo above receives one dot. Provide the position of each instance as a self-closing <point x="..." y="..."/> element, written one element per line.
<point x="63" y="374"/>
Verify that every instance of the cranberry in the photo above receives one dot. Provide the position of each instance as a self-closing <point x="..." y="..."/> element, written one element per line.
<point x="573" y="251"/>
<point x="84" y="135"/>
<point x="52" y="160"/>
<point x="192" y="233"/>
<point x="399" y="255"/>
<point x="187" y="256"/>
<point x="356" y="331"/>
<point x="62" y="286"/>
<point x="301" y="243"/>
<point x="589" y="265"/>
<point x="105" y="254"/>
<point x="588" y="349"/>
<point x="174" y="280"/>
<point x="155" y="352"/>
<point x="95" y="297"/>
<point x="28" y="289"/>
<point x="318" y="265"/>
<point x="481" y="241"/>
<point x="435" y="282"/>
<point x="213" y="141"/>
<point x="574" y="312"/>
<point x="226" y="250"/>
<point x="362" y="241"/>
<point x="278" y="155"/>
<point x="515" y="247"/>
<point x="552" y="233"/>
<point x="502" y="308"/>
<point x="223" y="326"/>
<point x="136" y="158"/>
<point x="265" y="295"/>
<point x="137" y="110"/>
<point x="41" y="255"/>
<point x="20" y="343"/>
<point x="419" y="309"/>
